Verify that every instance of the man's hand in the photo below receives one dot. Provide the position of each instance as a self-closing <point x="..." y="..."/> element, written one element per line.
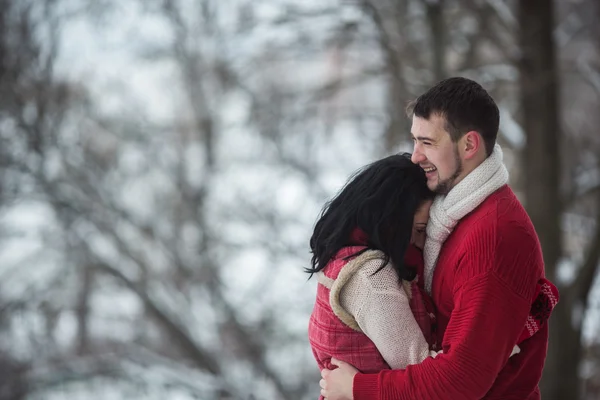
<point x="337" y="384"/>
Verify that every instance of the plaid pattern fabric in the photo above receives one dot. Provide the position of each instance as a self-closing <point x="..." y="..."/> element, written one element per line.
<point x="423" y="309"/>
<point x="330" y="337"/>
<point x="420" y="302"/>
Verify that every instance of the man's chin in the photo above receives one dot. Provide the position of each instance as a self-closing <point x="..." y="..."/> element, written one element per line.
<point x="442" y="188"/>
<point x="432" y="185"/>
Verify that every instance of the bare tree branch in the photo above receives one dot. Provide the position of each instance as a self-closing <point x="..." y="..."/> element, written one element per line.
<point x="201" y="358"/>
<point x="590" y="266"/>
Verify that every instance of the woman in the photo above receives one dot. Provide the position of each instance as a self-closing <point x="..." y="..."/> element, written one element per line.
<point x="365" y="255"/>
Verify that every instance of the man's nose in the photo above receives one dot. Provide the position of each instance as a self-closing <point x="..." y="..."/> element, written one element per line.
<point x="417" y="156"/>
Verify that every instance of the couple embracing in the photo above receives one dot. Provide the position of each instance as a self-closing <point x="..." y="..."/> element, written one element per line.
<point x="431" y="277"/>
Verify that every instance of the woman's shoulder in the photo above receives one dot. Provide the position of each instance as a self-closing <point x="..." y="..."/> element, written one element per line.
<point x="374" y="272"/>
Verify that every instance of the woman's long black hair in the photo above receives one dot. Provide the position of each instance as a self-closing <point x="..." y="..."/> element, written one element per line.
<point x="380" y="200"/>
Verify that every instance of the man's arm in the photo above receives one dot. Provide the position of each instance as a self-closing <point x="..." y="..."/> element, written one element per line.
<point x="490" y="309"/>
<point x="480" y="336"/>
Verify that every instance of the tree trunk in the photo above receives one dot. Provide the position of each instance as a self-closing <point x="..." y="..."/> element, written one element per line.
<point x="561" y="379"/>
<point x="83" y="309"/>
<point x="435" y="16"/>
<point x="539" y="104"/>
<point x="391" y="46"/>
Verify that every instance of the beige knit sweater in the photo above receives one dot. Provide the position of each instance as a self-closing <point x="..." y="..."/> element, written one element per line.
<point x="378" y="305"/>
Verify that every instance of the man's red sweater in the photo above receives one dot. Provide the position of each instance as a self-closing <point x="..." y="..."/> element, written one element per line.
<point x="483" y="283"/>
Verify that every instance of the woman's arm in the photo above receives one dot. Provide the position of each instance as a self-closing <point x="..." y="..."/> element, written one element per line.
<point x="381" y="308"/>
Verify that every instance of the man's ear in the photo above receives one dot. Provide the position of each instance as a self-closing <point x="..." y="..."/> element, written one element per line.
<point x="471" y="144"/>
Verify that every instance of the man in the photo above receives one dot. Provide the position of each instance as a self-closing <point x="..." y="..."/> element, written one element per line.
<point x="482" y="263"/>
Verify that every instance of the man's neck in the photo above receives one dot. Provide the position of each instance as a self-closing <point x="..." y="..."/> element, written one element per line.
<point x="469" y="166"/>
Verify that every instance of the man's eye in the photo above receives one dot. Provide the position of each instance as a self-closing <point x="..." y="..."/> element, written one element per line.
<point x="420" y="230"/>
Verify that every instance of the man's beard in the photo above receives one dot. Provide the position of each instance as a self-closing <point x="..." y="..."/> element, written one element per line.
<point x="445" y="186"/>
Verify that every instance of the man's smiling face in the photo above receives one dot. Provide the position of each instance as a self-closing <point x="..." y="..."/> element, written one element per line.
<point x="435" y="152"/>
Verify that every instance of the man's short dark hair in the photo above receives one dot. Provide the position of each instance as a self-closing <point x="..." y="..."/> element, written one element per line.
<point x="465" y="105"/>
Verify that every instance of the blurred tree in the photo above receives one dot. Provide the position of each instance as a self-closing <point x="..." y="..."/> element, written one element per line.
<point x="547" y="203"/>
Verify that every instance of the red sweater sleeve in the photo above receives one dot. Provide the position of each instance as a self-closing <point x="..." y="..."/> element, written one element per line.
<point x="493" y="285"/>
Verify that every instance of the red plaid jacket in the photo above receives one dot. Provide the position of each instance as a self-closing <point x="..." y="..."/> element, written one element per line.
<point x="330" y="337"/>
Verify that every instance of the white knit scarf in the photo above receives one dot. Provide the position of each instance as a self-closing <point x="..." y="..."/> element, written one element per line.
<point x="467" y="195"/>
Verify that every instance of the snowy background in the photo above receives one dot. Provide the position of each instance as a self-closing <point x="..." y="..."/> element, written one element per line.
<point x="163" y="163"/>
